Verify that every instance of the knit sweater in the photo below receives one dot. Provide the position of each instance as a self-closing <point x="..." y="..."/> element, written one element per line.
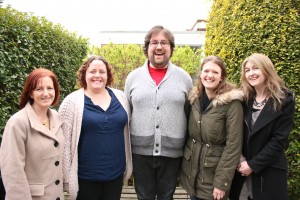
<point x="159" y="119"/>
<point x="70" y="113"/>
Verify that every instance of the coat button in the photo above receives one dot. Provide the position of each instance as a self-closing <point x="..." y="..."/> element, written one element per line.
<point x="57" y="182"/>
<point x="157" y="126"/>
<point x="156" y="151"/>
<point x="56" y="144"/>
<point x="225" y="184"/>
<point x="57" y="198"/>
<point x="157" y="145"/>
<point x="56" y="163"/>
<point x="157" y="108"/>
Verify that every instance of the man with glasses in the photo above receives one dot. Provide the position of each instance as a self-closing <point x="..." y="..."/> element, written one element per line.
<point x="158" y="96"/>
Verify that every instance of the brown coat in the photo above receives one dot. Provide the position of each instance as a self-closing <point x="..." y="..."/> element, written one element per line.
<point x="31" y="157"/>
<point x="214" y="144"/>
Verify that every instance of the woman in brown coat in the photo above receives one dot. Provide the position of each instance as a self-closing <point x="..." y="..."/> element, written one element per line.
<point x="33" y="142"/>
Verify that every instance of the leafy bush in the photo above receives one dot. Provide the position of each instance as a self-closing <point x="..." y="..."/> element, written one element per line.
<point x="238" y="28"/>
<point x="28" y="42"/>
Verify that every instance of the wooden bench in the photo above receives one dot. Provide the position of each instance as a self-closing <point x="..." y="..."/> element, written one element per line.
<point x="128" y="193"/>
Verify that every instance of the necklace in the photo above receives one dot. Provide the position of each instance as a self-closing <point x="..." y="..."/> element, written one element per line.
<point x="45" y="122"/>
<point x="260" y="104"/>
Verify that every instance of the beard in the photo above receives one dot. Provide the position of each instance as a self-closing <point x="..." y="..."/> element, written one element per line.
<point x="159" y="63"/>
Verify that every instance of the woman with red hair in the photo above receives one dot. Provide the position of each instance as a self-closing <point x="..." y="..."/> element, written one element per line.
<point x="33" y="142"/>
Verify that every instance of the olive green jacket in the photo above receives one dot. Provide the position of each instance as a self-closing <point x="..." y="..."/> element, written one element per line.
<point x="213" y="147"/>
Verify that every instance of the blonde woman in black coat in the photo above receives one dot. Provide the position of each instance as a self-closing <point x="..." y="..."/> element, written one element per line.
<point x="268" y="120"/>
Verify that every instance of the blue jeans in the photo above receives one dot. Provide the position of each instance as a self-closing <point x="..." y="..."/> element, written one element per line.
<point x="155" y="176"/>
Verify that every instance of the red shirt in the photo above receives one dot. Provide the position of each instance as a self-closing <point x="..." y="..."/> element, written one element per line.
<point x="157" y="74"/>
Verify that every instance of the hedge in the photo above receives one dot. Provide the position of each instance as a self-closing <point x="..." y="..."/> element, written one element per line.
<point x="28" y="42"/>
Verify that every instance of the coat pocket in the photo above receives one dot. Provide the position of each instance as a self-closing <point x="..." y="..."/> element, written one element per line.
<point x="209" y="168"/>
<point x="211" y="161"/>
<point x="37" y="189"/>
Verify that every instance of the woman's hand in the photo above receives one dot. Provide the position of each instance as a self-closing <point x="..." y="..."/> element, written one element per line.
<point x="218" y="194"/>
<point x="244" y="169"/>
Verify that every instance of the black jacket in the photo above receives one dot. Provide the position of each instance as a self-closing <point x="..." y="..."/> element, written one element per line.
<point x="264" y="149"/>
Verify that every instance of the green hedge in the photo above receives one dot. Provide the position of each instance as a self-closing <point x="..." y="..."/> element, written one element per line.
<point x="238" y="28"/>
<point x="28" y="42"/>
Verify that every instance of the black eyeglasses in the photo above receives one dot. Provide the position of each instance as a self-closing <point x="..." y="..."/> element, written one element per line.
<point x="162" y="43"/>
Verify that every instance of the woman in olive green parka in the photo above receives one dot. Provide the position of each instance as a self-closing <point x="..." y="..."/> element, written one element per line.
<point x="214" y="143"/>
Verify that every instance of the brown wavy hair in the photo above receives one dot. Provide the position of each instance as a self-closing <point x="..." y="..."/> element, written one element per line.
<point x="81" y="81"/>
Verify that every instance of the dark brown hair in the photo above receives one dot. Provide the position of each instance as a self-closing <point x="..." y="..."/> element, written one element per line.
<point x="155" y="30"/>
<point x="31" y="83"/>
<point x="81" y="81"/>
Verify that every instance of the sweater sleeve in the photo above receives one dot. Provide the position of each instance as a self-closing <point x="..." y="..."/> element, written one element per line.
<point x="12" y="159"/>
<point x="67" y="117"/>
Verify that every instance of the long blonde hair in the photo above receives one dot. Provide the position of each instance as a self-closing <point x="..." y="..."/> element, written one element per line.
<point x="275" y="86"/>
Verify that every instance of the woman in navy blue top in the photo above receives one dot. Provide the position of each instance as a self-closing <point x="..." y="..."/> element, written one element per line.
<point x="97" y="157"/>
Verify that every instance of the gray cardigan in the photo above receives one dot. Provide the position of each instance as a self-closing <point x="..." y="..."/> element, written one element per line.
<point x="159" y="121"/>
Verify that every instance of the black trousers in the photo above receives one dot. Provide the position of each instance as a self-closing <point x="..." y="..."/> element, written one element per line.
<point x="110" y="190"/>
<point x="2" y="190"/>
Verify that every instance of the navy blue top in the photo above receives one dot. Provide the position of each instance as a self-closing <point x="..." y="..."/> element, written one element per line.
<point x="101" y="150"/>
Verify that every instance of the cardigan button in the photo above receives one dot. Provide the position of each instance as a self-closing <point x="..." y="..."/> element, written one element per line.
<point x="56" y="144"/>
<point x="57" y="182"/>
<point x="56" y="163"/>
<point x="57" y="198"/>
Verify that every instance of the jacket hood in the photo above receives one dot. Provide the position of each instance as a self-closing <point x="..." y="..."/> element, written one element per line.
<point x="221" y="99"/>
